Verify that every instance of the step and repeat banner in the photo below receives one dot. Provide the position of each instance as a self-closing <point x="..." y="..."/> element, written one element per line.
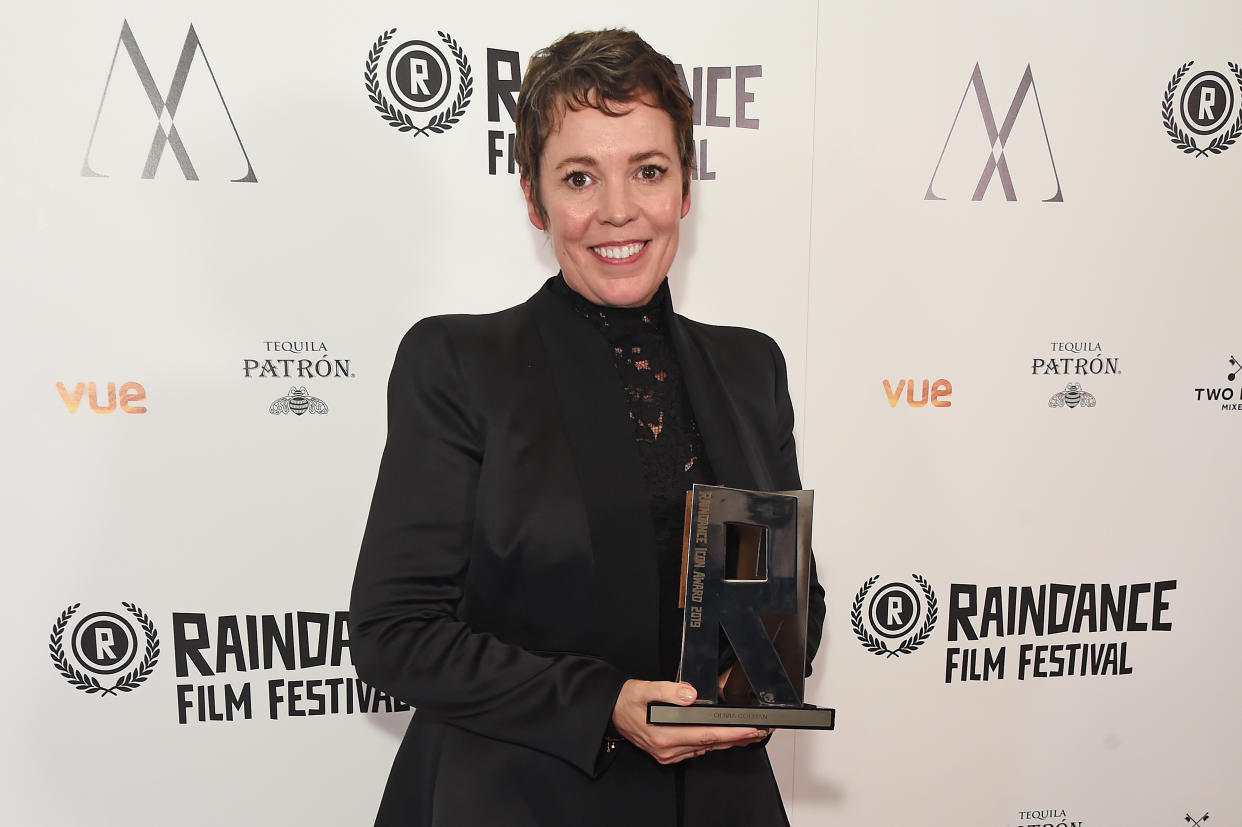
<point x="996" y="243"/>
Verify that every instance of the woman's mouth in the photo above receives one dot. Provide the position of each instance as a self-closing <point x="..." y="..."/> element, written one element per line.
<point x="619" y="252"/>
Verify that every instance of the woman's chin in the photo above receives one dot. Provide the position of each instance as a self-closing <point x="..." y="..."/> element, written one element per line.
<point x="618" y="292"/>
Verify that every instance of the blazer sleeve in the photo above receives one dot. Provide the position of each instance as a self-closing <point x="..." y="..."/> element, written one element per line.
<point x="788" y="478"/>
<point x="407" y="637"/>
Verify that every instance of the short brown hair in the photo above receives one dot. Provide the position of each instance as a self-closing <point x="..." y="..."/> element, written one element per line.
<point x="596" y="70"/>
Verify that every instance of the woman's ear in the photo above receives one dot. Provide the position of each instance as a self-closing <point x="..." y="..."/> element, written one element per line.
<point x="532" y="209"/>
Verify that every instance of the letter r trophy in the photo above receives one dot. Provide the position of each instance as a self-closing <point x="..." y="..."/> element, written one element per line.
<point x="746" y="572"/>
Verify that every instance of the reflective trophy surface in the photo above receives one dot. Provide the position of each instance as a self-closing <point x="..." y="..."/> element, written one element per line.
<point x="746" y="573"/>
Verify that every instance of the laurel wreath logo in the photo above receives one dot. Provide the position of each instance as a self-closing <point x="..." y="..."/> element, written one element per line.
<point x="398" y="118"/>
<point x="877" y="646"/>
<point x="87" y="682"/>
<point x="1186" y="143"/>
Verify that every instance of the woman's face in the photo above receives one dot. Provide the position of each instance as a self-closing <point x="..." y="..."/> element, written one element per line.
<point x="612" y="194"/>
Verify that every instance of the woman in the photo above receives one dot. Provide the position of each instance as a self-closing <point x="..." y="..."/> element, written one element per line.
<point x="518" y="579"/>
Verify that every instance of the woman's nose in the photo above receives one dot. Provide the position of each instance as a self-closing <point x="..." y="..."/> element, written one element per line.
<point x="618" y="206"/>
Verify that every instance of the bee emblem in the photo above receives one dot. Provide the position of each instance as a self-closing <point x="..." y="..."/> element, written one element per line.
<point x="299" y="402"/>
<point x="1072" y="397"/>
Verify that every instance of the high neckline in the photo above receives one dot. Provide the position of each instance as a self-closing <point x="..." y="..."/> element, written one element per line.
<point x="607" y="318"/>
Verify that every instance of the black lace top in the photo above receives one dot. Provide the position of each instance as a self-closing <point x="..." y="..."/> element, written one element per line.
<point x="665" y="433"/>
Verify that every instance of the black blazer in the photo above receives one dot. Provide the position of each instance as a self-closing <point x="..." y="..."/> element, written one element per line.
<point x="507" y="581"/>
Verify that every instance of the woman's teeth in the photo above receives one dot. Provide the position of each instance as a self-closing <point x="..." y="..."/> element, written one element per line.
<point x="619" y="251"/>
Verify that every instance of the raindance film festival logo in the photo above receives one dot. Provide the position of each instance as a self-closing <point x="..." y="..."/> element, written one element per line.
<point x="1202" y="108"/>
<point x="164" y="112"/>
<point x="105" y="645"/>
<point x="419" y="77"/>
<point x="1226" y="396"/>
<point x="1075" y="615"/>
<point x="1004" y="626"/>
<point x="220" y="658"/>
<point x="722" y="97"/>
<point x="894" y="614"/>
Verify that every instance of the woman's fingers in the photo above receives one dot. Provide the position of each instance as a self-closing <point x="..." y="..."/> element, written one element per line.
<point x="670" y="744"/>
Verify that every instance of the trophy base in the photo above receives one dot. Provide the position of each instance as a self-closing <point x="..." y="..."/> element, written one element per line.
<point x="764" y="717"/>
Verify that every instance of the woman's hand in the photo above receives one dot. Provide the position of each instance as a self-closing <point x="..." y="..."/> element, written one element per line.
<point x="669" y="744"/>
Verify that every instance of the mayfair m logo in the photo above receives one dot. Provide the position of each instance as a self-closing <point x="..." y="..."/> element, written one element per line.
<point x="164" y="107"/>
<point x="996" y="164"/>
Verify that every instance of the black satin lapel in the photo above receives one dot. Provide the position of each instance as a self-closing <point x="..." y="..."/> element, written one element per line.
<point x="732" y="449"/>
<point x="601" y="439"/>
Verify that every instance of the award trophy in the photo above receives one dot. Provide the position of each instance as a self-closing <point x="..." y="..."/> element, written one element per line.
<point x="746" y="572"/>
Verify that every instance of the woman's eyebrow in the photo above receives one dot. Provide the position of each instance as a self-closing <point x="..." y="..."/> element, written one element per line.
<point x="647" y="156"/>
<point x="590" y="161"/>
<point x="577" y="161"/>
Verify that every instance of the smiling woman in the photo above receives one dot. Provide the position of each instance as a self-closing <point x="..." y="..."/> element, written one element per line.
<point x="519" y="574"/>
<point x="611" y="200"/>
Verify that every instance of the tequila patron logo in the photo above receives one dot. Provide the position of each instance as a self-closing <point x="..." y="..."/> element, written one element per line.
<point x="419" y="77"/>
<point x="1227" y="396"/>
<point x="896" y="614"/>
<point x="164" y="110"/>
<point x="995" y="164"/>
<point x="301" y="359"/>
<point x="1076" y="360"/>
<point x="1056" y="817"/>
<point x="103" y="653"/>
<point x="1072" y="397"/>
<point x="1201" y="107"/>
<point x="129" y="395"/>
<point x="298" y="401"/>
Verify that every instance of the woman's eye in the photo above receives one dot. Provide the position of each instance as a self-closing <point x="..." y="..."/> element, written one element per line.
<point x="651" y="172"/>
<point x="577" y="180"/>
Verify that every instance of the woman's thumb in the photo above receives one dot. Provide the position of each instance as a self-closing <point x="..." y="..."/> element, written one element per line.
<point x="682" y="694"/>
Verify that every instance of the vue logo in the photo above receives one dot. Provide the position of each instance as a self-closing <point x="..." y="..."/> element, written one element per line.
<point x="129" y="393"/>
<point x="936" y="392"/>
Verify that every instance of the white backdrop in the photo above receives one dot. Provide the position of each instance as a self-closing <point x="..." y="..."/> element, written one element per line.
<point x="206" y="508"/>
